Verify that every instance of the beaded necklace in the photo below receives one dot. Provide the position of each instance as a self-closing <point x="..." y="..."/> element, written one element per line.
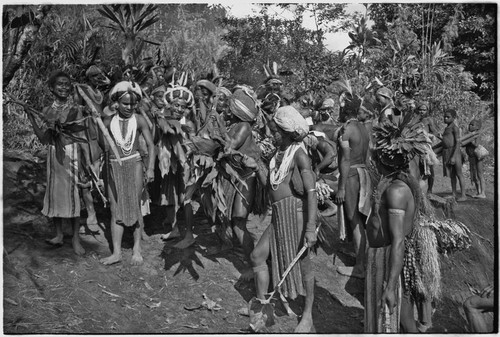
<point x="125" y="142"/>
<point x="279" y="167"/>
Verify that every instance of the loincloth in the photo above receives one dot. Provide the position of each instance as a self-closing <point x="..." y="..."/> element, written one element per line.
<point x="124" y="189"/>
<point x="365" y="187"/>
<point x="285" y="242"/>
<point x="61" y="195"/>
<point x="377" y="273"/>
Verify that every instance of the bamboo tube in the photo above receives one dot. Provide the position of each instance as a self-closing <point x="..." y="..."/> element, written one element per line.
<point x="97" y="118"/>
<point x="341" y="220"/>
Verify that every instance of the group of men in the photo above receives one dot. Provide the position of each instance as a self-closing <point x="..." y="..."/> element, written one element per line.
<point x="238" y="151"/>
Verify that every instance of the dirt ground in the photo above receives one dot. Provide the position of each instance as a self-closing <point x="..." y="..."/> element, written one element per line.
<point x="51" y="290"/>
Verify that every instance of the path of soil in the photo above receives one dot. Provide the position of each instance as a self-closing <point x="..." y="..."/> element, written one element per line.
<point x="51" y="290"/>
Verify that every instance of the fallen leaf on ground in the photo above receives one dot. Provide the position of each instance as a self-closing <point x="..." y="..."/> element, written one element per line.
<point x="153" y="305"/>
<point x="210" y="304"/>
<point x="195" y="326"/>
<point x="193" y="308"/>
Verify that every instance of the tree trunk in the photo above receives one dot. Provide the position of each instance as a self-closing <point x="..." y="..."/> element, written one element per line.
<point x="17" y="55"/>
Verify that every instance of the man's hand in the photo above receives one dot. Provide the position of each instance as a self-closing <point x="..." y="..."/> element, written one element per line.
<point x="340" y="196"/>
<point x="311" y="238"/>
<point x="389" y="298"/>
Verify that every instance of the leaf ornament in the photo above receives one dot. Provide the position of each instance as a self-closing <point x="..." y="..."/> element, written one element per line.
<point x="397" y="145"/>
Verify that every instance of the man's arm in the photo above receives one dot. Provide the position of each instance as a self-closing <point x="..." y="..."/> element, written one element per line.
<point x="396" y="200"/>
<point x="242" y="132"/>
<point x="344" y="165"/>
<point x="327" y="151"/>
<point x="304" y="165"/>
<point x="456" y="144"/>
<point x="144" y="128"/>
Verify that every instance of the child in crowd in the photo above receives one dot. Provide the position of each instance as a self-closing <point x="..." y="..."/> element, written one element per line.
<point x="452" y="156"/>
<point x="475" y="152"/>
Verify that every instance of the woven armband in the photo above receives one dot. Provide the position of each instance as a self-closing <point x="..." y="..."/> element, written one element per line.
<point x="344" y="143"/>
<point x="396" y="211"/>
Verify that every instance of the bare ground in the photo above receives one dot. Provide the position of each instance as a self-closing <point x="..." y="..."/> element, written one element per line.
<point x="51" y="290"/>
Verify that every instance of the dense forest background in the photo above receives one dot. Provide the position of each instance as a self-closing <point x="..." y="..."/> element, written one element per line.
<point x="445" y="53"/>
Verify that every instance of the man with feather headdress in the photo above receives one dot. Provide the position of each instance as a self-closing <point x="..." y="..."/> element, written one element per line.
<point x="392" y="227"/>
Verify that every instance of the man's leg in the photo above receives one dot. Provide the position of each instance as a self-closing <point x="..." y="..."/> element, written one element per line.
<point x="460" y="177"/>
<point x="138" y="228"/>
<point x="189" y="238"/>
<point x="480" y="178"/>
<point x="241" y="207"/>
<point x="355" y="221"/>
<point x="116" y="234"/>
<point x="475" y="307"/>
<point x="258" y="259"/>
<point x="408" y="324"/>
<point x="306" y="322"/>
<point x="77" y="246"/>
<point x="58" y="239"/>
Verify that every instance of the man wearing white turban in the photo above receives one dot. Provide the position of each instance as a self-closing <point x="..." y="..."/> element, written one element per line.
<point x="294" y="209"/>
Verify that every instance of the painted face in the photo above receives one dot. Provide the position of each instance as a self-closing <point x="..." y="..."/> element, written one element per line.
<point x="473" y="126"/>
<point x="422" y="110"/>
<point x="448" y="118"/>
<point x="158" y="99"/>
<point x="206" y="94"/>
<point x="127" y="105"/>
<point x="362" y="114"/>
<point x="177" y="108"/>
<point x="62" y="87"/>
<point x="222" y="104"/>
<point x="277" y="132"/>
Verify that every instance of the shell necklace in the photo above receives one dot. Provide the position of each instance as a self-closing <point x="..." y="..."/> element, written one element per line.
<point x="125" y="142"/>
<point x="278" y="174"/>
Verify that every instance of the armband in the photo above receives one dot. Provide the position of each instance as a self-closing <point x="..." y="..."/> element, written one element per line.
<point x="311" y="190"/>
<point x="395" y="211"/>
<point x="344" y="143"/>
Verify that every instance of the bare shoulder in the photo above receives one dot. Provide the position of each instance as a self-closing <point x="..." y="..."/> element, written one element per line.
<point x="302" y="159"/>
<point x="397" y="195"/>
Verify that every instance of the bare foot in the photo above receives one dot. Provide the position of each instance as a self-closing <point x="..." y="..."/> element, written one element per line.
<point x="144" y="236"/>
<point x="462" y="198"/>
<point x="186" y="242"/>
<point x="136" y="259"/>
<point x="349" y="271"/>
<point x="480" y="196"/>
<point x="247" y="275"/>
<point x="305" y="324"/>
<point x="91" y="220"/>
<point x="77" y="246"/>
<point x="115" y="258"/>
<point x="174" y="233"/>
<point x="57" y="241"/>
